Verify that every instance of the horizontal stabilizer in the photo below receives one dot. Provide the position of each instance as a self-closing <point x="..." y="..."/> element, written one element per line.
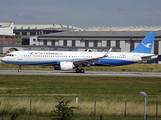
<point x="149" y="57"/>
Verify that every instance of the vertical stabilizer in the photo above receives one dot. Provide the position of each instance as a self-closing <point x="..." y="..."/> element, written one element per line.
<point x="146" y="44"/>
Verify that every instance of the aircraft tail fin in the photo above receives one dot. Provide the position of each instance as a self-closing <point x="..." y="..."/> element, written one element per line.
<point x="146" y="44"/>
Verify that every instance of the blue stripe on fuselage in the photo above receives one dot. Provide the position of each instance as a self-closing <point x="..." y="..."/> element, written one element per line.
<point x="115" y="62"/>
<point x="32" y="62"/>
<point x="103" y="62"/>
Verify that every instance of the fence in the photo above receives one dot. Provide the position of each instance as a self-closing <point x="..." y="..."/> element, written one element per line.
<point x="82" y="118"/>
<point x="84" y="108"/>
<point x="85" y="118"/>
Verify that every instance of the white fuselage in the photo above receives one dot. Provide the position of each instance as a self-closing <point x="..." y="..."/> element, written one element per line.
<point x="55" y="57"/>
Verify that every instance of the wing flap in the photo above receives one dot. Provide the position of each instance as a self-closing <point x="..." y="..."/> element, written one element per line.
<point x="85" y="61"/>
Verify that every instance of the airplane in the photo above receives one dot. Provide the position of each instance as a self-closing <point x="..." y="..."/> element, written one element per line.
<point x="68" y="60"/>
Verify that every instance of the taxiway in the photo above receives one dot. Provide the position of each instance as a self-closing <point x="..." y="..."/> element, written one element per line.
<point x="87" y="73"/>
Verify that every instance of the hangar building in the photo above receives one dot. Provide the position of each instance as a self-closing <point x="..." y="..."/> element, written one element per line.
<point x="7" y="37"/>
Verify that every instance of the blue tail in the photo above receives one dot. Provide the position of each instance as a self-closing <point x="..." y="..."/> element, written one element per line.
<point x="146" y="44"/>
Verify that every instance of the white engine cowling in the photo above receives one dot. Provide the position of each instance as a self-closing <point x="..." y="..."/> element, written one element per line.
<point x="66" y="65"/>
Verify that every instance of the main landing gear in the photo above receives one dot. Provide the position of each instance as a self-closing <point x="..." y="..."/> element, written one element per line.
<point x="19" y="70"/>
<point x="79" y="70"/>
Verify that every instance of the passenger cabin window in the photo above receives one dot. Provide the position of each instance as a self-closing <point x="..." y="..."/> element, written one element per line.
<point x="10" y="55"/>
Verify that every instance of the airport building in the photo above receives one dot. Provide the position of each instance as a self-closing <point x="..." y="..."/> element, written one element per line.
<point x="69" y="38"/>
<point x="6" y="28"/>
<point x="7" y="37"/>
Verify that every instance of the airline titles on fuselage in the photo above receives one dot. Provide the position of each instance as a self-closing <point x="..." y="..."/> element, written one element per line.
<point x="52" y="54"/>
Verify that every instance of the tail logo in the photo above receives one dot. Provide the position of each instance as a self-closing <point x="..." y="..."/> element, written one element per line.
<point x="147" y="45"/>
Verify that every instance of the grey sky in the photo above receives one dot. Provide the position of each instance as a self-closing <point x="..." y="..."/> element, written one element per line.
<point x="82" y="13"/>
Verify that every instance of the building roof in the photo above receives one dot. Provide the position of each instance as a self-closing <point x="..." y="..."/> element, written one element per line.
<point x="99" y="34"/>
<point x="73" y="28"/>
<point x="46" y="26"/>
<point x="126" y="28"/>
<point x="5" y="24"/>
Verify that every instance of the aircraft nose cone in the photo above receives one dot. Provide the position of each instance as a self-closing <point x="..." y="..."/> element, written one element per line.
<point x="3" y="59"/>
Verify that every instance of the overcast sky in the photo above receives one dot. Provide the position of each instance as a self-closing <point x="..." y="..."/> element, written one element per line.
<point x="82" y="13"/>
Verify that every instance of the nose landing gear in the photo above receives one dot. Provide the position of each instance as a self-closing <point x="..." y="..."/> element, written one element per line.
<point x="19" y="70"/>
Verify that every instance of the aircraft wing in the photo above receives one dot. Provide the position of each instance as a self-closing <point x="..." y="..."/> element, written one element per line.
<point x="89" y="61"/>
<point x="145" y="58"/>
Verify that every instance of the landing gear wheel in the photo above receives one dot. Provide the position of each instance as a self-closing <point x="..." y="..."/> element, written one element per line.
<point x="82" y="70"/>
<point x="77" y="70"/>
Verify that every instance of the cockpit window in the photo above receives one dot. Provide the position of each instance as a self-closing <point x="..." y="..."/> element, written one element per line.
<point x="10" y="55"/>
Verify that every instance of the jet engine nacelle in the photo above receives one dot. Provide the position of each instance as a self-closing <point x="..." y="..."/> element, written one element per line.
<point x="64" y="66"/>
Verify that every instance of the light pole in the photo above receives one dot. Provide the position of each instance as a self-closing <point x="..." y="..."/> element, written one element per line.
<point x="144" y="94"/>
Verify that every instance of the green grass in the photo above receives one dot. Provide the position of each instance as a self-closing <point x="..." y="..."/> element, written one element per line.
<point x="85" y="87"/>
<point x="16" y="91"/>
